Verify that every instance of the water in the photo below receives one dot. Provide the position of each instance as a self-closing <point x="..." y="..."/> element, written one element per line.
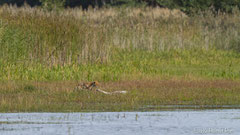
<point x="178" y="122"/>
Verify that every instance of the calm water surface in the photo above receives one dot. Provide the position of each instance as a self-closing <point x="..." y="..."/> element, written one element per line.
<point x="178" y="122"/>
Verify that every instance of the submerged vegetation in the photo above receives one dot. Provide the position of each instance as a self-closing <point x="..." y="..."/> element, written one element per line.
<point x="44" y="54"/>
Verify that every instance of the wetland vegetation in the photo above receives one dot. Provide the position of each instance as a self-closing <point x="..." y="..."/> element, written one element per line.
<point x="160" y="56"/>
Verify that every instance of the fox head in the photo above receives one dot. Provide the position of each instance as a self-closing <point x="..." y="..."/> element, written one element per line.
<point x="94" y="84"/>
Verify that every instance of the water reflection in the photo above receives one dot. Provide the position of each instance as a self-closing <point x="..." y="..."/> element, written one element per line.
<point x="181" y="122"/>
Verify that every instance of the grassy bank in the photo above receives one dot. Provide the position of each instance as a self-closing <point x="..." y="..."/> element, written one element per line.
<point x="44" y="54"/>
<point x="61" y="97"/>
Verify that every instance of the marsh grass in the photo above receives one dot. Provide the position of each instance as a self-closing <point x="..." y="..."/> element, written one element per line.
<point x="61" y="97"/>
<point x="160" y="56"/>
<point x="114" y="44"/>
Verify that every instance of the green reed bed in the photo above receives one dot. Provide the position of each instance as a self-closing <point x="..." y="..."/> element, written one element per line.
<point x="114" y="45"/>
<point x="111" y="43"/>
<point x="198" y="64"/>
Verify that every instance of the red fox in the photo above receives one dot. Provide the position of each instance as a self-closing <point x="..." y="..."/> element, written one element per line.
<point x="87" y="86"/>
<point x="94" y="86"/>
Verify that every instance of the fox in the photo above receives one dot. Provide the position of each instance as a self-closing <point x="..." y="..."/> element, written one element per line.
<point x="93" y="86"/>
<point x="87" y="86"/>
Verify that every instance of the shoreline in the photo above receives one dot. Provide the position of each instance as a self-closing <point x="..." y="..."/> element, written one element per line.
<point x="142" y="95"/>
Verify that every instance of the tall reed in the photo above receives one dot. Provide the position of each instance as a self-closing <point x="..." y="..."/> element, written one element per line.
<point x="72" y="37"/>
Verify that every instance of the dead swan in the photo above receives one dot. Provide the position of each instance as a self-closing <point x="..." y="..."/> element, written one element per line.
<point x="110" y="93"/>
